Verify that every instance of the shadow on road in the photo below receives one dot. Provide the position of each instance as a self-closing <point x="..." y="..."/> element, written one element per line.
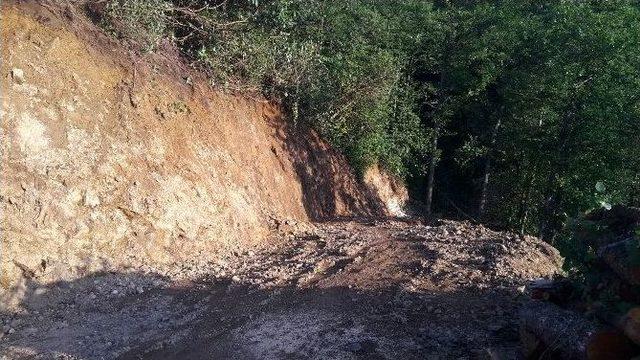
<point x="134" y="315"/>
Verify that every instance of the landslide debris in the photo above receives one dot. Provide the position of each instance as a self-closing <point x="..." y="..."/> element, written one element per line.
<point x="363" y="289"/>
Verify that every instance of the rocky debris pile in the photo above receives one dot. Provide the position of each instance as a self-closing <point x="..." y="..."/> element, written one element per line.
<point x="462" y="254"/>
<point x="353" y="289"/>
<point x="596" y="314"/>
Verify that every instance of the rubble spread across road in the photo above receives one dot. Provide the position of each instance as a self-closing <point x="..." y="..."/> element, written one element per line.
<point x="365" y="289"/>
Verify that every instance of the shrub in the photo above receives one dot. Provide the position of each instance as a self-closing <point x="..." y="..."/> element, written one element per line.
<point x="336" y="66"/>
<point x="522" y="105"/>
<point x="145" y="22"/>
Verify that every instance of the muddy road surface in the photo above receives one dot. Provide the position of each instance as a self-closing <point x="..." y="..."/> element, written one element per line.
<point x="369" y="289"/>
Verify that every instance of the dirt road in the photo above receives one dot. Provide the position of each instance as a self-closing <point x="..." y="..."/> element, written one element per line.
<point x="341" y="290"/>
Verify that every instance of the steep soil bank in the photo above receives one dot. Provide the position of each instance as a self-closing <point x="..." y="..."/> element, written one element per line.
<point x="113" y="160"/>
<point x="389" y="189"/>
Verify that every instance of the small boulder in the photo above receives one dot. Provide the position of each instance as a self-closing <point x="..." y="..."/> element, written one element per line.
<point x="17" y="75"/>
<point x="91" y="199"/>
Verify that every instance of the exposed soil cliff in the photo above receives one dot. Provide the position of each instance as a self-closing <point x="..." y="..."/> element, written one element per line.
<point x="111" y="159"/>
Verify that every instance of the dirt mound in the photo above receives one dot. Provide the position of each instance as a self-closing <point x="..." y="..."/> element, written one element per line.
<point x="113" y="160"/>
<point x="340" y="290"/>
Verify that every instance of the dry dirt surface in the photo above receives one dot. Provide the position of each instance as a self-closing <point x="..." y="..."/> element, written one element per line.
<point x="114" y="159"/>
<point x="377" y="289"/>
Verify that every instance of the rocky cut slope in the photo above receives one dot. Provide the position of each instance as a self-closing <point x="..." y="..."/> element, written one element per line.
<point x="112" y="160"/>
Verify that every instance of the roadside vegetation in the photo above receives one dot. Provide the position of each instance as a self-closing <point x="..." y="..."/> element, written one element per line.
<point x="521" y="114"/>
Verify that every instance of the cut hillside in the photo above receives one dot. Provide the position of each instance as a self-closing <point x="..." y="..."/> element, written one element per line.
<point x="112" y="159"/>
<point x="147" y="215"/>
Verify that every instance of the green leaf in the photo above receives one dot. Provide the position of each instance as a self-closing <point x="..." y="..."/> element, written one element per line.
<point x="605" y="205"/>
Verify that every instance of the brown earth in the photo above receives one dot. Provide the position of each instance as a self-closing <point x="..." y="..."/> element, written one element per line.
<point x="113" y="159"/>
<point x="147" y="215"/>
<point x="341" y="290"/>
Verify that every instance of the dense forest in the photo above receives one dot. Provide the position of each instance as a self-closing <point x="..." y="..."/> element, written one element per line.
<point x="520" y="114"/>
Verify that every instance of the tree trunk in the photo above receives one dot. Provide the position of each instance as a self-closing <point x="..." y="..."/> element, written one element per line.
<point x="485" y="186"/>
<point x="524" y="205"/>
<point x="432" y="171"/>
<point x="438" y="123"/>
<point x="549" y="213"/>
<point x="628" y="323"/>
<point x="487" y="169"/>
<point x="548" y="223"/>
<point x="555" y="291"/>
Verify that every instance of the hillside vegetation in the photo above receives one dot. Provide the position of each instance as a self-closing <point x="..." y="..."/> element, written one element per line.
<point x="522" y="113"/>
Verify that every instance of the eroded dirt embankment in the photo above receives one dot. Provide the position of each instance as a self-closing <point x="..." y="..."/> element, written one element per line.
<point x="113" y="160"/>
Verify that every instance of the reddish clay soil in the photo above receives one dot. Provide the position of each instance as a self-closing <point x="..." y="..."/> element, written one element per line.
<point x="112" y="158"/>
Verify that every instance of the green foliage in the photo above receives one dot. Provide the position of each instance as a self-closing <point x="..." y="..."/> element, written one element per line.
<point x="575" y="245"/>
<point x="545" y="90"/>
<point x="146" y="21"/>
<point x="558" y="75"/>
<point x="596" y="283"/>
<point x="341" y="67"/>
<point x="471" y="150"/>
